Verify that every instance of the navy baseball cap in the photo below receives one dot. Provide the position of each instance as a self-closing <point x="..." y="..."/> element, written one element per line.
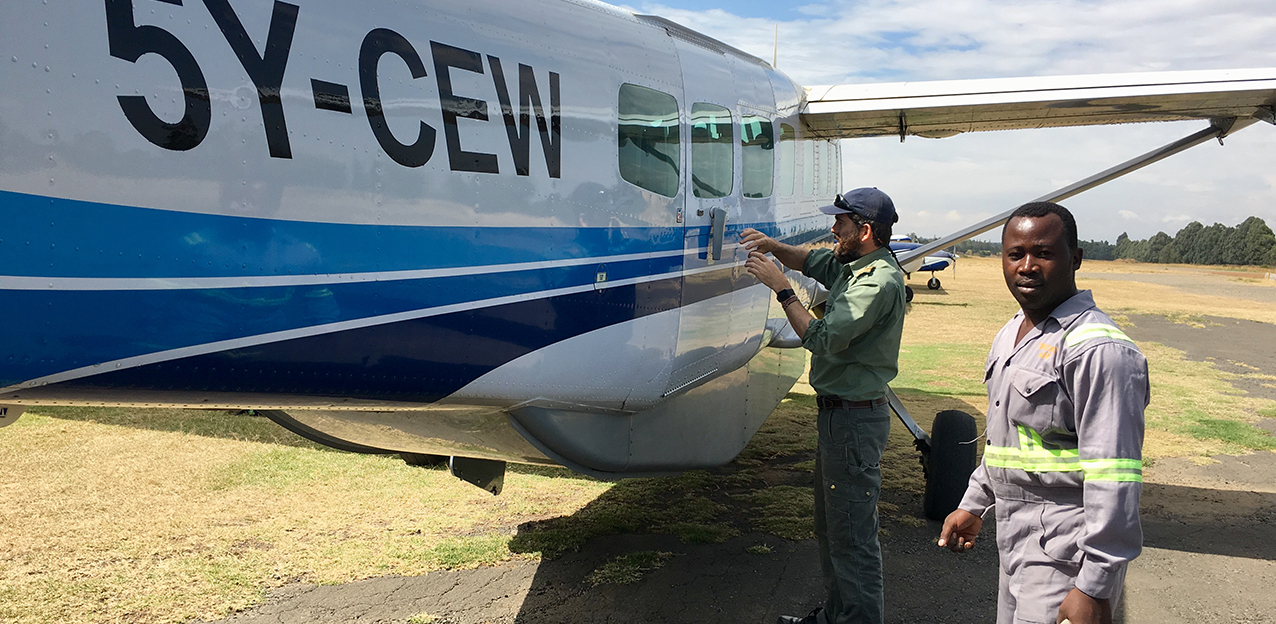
<point x="866" y="202"/>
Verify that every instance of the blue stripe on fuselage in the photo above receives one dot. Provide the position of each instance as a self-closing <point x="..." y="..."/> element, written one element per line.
<point x="421" y="360"/>
<point x="51" y="237"/>
<point x="50" y="331"/>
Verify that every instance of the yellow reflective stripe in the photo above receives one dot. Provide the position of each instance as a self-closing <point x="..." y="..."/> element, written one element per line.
<point x="1031" y="445"/>
<point x="1123" y="470"/>
<point x="1112" y="464"/>
<point x="1032" y="456"/>
<point x="1122" y="478"/>
<point x="1090" y="331"/>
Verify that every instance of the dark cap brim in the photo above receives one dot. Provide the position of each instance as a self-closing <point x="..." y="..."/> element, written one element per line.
<point x="833" y="210"/>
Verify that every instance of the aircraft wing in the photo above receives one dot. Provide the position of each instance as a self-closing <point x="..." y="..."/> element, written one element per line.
<point x="945" y="108"/>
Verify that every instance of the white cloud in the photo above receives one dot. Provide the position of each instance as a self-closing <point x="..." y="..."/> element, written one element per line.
<point x="1127" y="215"/>
<point x="986" y="173"/>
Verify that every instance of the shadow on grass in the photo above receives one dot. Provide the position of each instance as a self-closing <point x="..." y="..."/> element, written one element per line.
<point x="225" y="424"/>
<point x="743" y="536"/>
<point x="766" y="489"/>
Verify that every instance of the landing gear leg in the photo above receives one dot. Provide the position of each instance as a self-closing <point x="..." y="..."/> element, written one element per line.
<point x="947" y="457"/>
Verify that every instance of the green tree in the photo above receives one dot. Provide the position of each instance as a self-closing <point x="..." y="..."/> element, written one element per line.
<point x="1189" y="243"/>
<point x="1098" y="250"/>
<point x="1151" y="250"/>
<point x="1123" y="246"/>
<point x="1252" y="242"/>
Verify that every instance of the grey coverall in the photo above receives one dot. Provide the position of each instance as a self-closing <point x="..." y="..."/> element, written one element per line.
<point x="1063" y="462"/>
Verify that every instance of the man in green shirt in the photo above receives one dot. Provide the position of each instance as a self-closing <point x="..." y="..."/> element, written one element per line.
<point x="854" y="354"/>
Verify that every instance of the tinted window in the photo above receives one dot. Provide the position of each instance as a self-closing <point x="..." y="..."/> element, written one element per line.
<point x="786" y="160"/>
<point x="648" y="139"/>
<point x="757" y="156"/>
<point x="712" y="150"/>
<point x="808" y="167"/>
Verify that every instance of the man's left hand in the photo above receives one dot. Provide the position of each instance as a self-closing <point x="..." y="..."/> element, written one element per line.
<point x="1079" y="608"/>
<point x="760" y="266"/>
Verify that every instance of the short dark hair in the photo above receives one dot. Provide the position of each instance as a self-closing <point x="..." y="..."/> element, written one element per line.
<point x="1041" y="209"/>
<point x="881" y="231"/>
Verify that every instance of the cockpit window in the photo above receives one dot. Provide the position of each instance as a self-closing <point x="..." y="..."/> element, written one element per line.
<point x="712" y="150"/>
<point x="757" y="156"/>
<point x="648" y="139"/>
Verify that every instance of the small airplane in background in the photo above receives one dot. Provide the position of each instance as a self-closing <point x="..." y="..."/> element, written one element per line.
<point x="937" y="260"/>
<point x="493" y="231"/>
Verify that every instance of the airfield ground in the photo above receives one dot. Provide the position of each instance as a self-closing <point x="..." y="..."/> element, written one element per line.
<point x="168" y="516"/>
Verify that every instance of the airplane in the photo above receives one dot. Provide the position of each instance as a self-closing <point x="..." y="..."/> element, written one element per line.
<point x="490" y="231"/>
<point x="936" y="261"/>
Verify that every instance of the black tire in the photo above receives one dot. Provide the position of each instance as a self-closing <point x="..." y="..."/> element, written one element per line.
<point x="952" y="459"/>
<point x="908" y="293"/>
<point x="933" y="284"/>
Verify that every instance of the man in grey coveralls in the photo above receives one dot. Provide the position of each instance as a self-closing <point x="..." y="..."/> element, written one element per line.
<point x="1063" y="464"/>
<point x="854" y="354"/>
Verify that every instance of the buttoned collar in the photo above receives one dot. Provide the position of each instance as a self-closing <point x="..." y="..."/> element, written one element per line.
<point x="1063" y="314"/>
<point x="1068" y="311"/>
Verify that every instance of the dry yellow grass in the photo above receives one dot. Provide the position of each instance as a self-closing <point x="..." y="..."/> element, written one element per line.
<point x="105" y="523"/>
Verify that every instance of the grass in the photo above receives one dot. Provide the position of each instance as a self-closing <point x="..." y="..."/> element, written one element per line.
<point x="157" y="516"/>
<point x="629" y="568"/>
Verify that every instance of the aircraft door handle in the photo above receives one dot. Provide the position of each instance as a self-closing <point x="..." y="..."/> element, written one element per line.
<point x="717" y="230"/>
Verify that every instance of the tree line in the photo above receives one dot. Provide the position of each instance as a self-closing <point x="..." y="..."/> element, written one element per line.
<point x="1249" y="243"/>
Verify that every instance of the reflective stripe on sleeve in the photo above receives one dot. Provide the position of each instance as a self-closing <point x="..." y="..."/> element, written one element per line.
<point x="1124" y="470"/>
<point x="1090" y="331"/>
<point x="1032" y="456"/>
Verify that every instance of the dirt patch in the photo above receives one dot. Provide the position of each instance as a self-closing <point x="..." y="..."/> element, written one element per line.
<point x="1237" y="346"/>
<point x="1224" y="284"/>
<point x="700" y="583"/>
<point x="1208" y="557"/>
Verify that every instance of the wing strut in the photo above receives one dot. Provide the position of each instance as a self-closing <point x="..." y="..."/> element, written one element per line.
<point x="1218" y="129"/>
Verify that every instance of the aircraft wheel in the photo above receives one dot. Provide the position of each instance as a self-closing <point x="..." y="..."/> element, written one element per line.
<point x="908" y="293"/>
<point x="951" y="460"/>
<point x="933" y="284"/>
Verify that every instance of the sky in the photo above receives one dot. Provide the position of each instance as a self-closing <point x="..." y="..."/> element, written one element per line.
<point x="938" y="185"/>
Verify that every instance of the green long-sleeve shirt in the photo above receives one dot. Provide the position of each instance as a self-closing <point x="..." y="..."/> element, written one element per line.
<point x="855" y="347"/>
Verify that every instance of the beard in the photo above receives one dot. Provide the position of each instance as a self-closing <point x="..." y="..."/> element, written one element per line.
<point x="848" y="250"/>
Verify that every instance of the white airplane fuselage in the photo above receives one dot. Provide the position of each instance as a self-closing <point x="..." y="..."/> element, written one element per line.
<point x="471" y="229"/>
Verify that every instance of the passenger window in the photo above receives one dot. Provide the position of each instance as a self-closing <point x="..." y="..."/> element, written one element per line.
<point x="757" y="156"/>
<point x="648" y="139"/>
<point x="786" y="160"/>
<point x="808" y="167"/>
<point x="712" y="151"/>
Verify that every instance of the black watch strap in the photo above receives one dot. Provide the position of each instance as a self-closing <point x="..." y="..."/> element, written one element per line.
<point x="785" y="295"/>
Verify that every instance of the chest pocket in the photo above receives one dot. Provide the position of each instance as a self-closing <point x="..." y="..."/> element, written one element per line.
<point x="1033" y="399"/>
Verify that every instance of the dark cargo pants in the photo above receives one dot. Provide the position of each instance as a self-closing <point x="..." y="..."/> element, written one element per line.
<point x="848" y="478"/>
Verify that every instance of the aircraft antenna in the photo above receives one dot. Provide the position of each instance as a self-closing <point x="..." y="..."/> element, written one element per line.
<point x="775" y="51"/>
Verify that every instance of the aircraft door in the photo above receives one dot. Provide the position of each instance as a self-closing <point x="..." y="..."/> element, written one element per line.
<point x="712" y="202"/>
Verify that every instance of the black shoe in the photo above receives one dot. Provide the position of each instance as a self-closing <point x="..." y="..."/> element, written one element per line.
<point x="811" y="618"/>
